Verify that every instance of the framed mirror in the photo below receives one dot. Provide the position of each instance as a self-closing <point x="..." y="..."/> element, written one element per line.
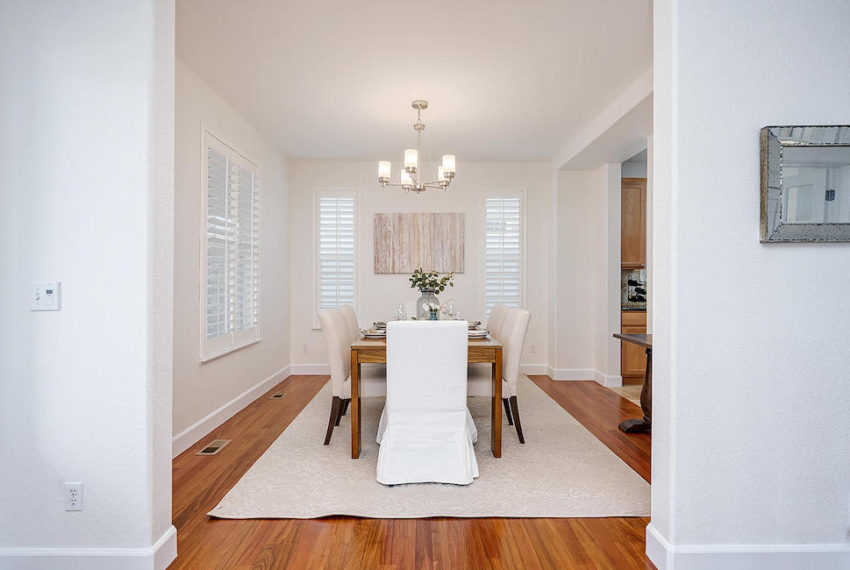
<point x="805" y="184"/>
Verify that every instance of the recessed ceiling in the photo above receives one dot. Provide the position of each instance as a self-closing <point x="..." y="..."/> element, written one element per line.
<point x="334" y="79"/>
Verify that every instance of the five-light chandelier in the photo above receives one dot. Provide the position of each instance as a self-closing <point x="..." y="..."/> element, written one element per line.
<point x="408" y="175"/>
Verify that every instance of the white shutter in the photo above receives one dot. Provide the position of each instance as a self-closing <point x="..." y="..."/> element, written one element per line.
<point x="231" y="279"/>
<point x="503" y="271"/>
<point x="335" y="251"/>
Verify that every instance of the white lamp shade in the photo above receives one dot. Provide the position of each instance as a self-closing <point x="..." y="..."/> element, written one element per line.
<point x="411" y="158"/>
<point x="449" y="163"/>
<point x="440" y="175"/>
<point x="384" y="169"/>
<point x="406" y="180"/>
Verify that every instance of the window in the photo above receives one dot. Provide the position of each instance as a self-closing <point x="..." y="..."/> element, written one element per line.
<point x="336" y="250"/>
<point x="503" y="249"/>
<point x="230" y="267"/>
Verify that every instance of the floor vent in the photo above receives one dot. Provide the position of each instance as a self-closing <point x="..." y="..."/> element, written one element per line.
<point x="278" y="396"/>
<point x="213" y="447"/>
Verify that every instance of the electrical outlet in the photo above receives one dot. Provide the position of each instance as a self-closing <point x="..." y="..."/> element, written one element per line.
<point x="73" y="495"/>
<point x="305" y="349"/>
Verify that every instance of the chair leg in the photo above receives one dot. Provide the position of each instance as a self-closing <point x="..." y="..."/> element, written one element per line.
<point x="345" y="404"/>
<point x="508" y="411"/>
<point x="342" y="406"/>
<point x="335" y="407"/>
<point x="515" y="414"/>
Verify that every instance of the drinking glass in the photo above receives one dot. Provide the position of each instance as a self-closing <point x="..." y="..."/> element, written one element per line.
<point x="401" y="312"/>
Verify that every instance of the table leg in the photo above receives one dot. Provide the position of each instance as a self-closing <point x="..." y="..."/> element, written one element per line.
<point x="496" y="406"/>
<point x="355" y="404"/>
<point x="644" y="424"/>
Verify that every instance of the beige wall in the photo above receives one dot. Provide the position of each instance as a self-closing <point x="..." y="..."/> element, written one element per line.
<point x="206" y="394"/>
<point x="379" y="295"/>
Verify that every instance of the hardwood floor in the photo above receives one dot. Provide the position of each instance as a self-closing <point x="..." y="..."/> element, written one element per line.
<point x="346" y="542"/>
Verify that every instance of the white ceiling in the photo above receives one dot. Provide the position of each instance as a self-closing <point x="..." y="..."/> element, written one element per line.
<point x="334" y="79"/>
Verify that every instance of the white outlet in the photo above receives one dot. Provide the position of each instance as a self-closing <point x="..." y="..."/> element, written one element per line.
<point x="73" y="495"/>
<point x="45" y="296"/>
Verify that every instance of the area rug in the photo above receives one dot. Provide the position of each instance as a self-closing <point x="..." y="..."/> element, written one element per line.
<point x="561" y="471"/>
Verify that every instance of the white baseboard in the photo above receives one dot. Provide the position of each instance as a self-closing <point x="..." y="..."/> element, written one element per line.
<point x="744" y="556"/>
<point x="191" y="435"/>
<point x="156" y="557"/>
<point x="311" y="369"/>
<point x="572" y="374"/>
<point x="532" y="368"/>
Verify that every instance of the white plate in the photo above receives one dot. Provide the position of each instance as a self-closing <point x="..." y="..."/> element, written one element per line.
<point x="375" y="335"/>
<point x="478" y="333"/>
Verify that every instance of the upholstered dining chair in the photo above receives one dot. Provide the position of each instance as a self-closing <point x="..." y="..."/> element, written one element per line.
<point x="497" y="318"/>
<point x="512" y="336"/>
<point x="426" y="432"/>
<point x="336" y="334"/>
<point x="351" y="324"/>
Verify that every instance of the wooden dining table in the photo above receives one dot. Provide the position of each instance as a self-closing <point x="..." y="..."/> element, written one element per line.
<point x="374" y="351"/>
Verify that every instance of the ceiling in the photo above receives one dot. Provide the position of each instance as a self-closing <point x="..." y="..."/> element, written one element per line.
<point x="334" y="79"/>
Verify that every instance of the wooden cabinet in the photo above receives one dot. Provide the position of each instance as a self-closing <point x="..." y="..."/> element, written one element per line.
<point x="633" y="223"/>
<point x="632" y="357"/>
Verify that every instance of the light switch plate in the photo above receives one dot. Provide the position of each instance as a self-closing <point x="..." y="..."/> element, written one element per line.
<point x="45" y="296"/>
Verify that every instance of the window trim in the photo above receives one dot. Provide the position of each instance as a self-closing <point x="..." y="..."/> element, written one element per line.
<point x="212" y="350"/>
<point x="318" y="194"/>
<point x="503" y="192"/>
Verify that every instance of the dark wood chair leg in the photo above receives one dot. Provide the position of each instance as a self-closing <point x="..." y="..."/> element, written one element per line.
<point x="508" y="411"/>
<point x="345" y="404"/>
<point x="336" y="403"/>
<point x="342" y="405"/>
<point x="515" y="414"/>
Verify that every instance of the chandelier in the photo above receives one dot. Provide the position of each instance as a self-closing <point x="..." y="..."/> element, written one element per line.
<point x="408" y="175"/>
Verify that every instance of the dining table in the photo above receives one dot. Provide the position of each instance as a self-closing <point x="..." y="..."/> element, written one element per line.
<point x="480" y="350"/>
<point x="644" y="424"/>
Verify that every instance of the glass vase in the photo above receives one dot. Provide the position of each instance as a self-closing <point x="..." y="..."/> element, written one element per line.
<point x="422" y="312"/>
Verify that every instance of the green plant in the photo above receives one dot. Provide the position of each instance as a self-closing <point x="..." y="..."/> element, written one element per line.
<point x="431" y="280"/>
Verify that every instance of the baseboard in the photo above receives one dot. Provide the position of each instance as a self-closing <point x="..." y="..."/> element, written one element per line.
<point x="572" y="374"/>
<point x="311" y="369"/>
<point x="194" y="433"/>
<point x="610" y="380"/>
<point x="744" y="556"/>
<point x="156" y="557"/>
<point x="532" y="368"/>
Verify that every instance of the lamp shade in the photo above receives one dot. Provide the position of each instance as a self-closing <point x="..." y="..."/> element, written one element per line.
<point x="411" y="159"/>
<point x="406" y="180"/>
<point x="449" y="163"/>
<point x="384" y="170"/>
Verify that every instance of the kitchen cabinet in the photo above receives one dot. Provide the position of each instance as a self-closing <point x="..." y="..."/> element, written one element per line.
<point x="632" y="356"/>
<point x="633" y="223"/>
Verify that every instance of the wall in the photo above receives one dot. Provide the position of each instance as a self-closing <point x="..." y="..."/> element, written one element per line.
<point x="206" y="394"/>
<point x="379" y="295"/>
<point x="588" y="284"/>
<point x="750" y="466"/>
<point x="633" y="169"/>
<point x="86" y="105"/>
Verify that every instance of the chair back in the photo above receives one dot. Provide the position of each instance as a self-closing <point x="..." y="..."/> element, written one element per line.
<point x="336" y="339"/>
<point x="351" y="325"/>
<point x="512" y="337"/>
<point x="496" y="320"/>
<point x="426" y="372"/>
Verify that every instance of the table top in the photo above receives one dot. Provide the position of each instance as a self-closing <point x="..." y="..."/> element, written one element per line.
<point x="363" y="342"/>
<point x="644" y="340"/>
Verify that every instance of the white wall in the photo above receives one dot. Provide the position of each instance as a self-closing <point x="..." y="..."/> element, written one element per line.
<point x="85" y="171"/>
<point x="206" y="394"/>
<point x="750" y="464"/>
<point x="379" y="295"/>
<point x="588" y="284"/>
<point x="633" y="169"/>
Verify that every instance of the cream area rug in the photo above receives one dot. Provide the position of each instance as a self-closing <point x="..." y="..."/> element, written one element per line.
<point x="561" y="471"/>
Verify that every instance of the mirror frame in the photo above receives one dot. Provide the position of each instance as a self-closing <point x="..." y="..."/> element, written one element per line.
<point x="773" y="141"/>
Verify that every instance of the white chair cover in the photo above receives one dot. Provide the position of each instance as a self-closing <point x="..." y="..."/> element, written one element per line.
<point x="512" y="337"/>
<point x="351" y="325"/>
<point x="426" y="432"/>
<point x="336" y="340"/>
<point x="497" y="318"/>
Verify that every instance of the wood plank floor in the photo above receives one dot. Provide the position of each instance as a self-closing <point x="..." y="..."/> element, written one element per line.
<point x="345" y="542"/>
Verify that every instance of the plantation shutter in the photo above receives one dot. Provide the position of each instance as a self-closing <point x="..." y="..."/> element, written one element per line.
<point x="336" y="252"/>
<point x="503" y="252"/>
<point x="232" y="280"/>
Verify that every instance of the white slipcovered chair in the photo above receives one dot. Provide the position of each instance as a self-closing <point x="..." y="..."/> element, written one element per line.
<point x="351" y="324"/>
<point x="512" y="336"/>
<point x="496" y="320"/>
<point x="426" y="432"/>
<point x="336" y="334"/>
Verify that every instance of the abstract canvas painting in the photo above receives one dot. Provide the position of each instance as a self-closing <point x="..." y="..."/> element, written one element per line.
<point x="404" y="242"/>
